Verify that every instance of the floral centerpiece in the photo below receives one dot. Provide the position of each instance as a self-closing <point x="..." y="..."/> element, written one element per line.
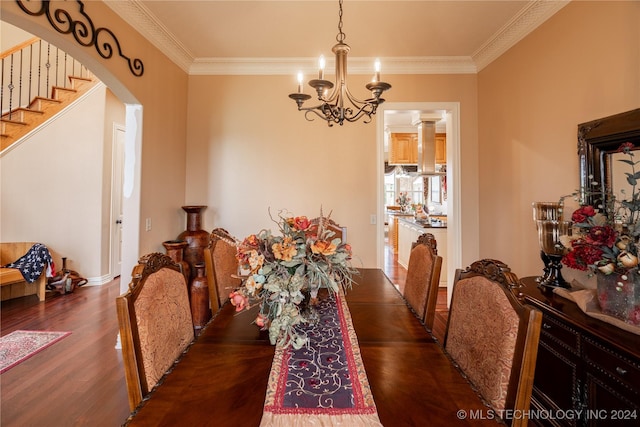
<point x="609" y="246"/>
<point x="286" y="271"/>
<point x="403" y="200"/>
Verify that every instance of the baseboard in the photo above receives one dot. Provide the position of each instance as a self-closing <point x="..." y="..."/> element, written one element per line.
<point x="98" y="281"/>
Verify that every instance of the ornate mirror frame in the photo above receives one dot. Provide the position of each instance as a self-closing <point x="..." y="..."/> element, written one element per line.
<point x="597" y="140"/>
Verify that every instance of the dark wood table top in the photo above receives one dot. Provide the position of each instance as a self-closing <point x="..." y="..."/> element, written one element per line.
<point x="222" y="380"/>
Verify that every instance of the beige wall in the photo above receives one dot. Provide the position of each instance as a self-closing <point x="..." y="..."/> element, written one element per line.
<point x="11" y="36"/>
<point x="162" y="92"/>
<point x="51" y="187"/>
<point x="250" y="150"/>
<point x="582" y="64"/>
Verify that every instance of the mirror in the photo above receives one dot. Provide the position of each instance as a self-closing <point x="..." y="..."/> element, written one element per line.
<point x="598" y="141"/>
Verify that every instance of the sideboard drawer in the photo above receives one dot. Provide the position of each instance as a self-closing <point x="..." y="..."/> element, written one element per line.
<point x="611" y="363"/>
<point x="559" y="335"/>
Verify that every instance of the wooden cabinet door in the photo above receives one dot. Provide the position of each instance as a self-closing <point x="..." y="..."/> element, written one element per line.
<point x="393" y="233"/>
<point x="441" y="148"/>
<point x="403" y="148"/>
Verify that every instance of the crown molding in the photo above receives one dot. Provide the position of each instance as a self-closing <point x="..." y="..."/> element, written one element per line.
<point x="142" y="20"/>
<point x="529" y="18"/>
<point x="524" y="22"/>
<point x="308" y="66"/>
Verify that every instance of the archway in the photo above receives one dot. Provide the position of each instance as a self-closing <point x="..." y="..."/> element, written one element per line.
<point x="133" y="129"/>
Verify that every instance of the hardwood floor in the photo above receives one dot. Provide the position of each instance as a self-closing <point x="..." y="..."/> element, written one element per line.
<point x="79" y="381"/>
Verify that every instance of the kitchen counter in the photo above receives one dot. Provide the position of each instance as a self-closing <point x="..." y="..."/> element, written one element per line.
<point x="408" y="232"/>
<point x="433" y="223"/>
<point x="392" y="218"/>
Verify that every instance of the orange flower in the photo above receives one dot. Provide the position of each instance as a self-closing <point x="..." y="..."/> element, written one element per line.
<point x="323" y="247"/>
<point x="285" y="250"/>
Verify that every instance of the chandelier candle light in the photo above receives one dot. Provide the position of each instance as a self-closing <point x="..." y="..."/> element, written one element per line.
<point x="333" y="107"/>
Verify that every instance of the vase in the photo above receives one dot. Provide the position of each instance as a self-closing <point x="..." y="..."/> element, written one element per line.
<point x="175" y="251"/>
<point x="197" y="239"/>
<point x="200" y="311"/>
<point x="549" y="232"/>
<point x="619" y="295"/>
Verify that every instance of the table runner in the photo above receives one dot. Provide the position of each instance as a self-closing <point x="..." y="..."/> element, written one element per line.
<point x="323" y="383"/>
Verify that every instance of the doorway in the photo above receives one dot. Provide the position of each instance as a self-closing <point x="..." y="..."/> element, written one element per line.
<point x="451" y="111"/>
<point x="116" y="199"/>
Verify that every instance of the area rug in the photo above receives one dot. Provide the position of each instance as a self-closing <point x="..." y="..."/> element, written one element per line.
<point x="18" y="346"/>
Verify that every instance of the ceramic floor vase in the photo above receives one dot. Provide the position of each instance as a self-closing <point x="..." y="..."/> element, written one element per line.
<point x="197" y="239"/>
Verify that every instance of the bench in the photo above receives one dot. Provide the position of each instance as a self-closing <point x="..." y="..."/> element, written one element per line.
<point x="12" y="283"/>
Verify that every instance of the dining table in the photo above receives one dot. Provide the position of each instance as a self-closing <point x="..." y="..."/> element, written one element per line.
<point x="223" y="377"/>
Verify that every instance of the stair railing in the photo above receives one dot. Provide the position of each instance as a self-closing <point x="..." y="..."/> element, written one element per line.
<point x="31" y="70"/>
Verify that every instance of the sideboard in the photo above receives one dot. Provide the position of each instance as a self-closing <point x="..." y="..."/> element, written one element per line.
<point x="587" y="371"/>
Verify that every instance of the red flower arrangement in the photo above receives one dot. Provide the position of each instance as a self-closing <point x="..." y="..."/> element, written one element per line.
<point x="610" y="245"/>
<point x="607" y="244"/>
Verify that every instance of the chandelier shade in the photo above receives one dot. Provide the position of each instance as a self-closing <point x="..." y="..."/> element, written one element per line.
<point x="337" y="103"/>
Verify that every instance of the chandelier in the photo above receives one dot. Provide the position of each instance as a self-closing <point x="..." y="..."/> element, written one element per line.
<point x="340" y="105"/>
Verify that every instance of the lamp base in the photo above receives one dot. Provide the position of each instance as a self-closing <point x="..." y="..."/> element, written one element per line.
<point x="553" y="275"/>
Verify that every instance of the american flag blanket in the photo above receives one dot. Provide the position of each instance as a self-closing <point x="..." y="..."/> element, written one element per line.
<point x="33" y="262"/>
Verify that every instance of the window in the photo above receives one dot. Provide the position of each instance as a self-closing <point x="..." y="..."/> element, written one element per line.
<point x="389" y="190"/>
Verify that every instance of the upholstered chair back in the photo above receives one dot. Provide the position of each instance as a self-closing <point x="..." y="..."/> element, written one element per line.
<point x="339" y="232"/>
<point x="222" y="267"/>
<point x="492" y="336"/>
<point x="155" y="323"/>
<point x="423" y="278"/>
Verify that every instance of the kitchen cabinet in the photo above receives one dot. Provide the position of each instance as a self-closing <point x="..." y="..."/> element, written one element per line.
<point x="393" y="228"/>
<point x="393" y="233"/>
<point x="403" y="149"/>
<point x="406" y="236"/>
<point x="408" y="233"/>
<point x="441" y="148"/>
<point x="586" y="369"/>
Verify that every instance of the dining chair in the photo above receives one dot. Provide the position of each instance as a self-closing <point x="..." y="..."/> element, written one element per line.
<point x="492" y="336"/>
<point x="329" y="224"/>
<point x="423" y="278"/>
<point x="222" y="267"/>
<point x="155" y="323"/>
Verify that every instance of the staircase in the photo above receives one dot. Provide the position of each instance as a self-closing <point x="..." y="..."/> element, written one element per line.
<point x="37" y="67"/>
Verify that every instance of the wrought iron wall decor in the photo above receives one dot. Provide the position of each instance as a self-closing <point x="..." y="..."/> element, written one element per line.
<point x="83" y="30"/>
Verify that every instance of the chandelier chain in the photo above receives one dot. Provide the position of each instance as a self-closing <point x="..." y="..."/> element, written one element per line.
<point x="341" y="36"/>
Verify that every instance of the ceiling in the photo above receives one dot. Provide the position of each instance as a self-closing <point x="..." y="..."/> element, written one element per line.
<point x="261" y="37"/>
<point x="283" y="37"/>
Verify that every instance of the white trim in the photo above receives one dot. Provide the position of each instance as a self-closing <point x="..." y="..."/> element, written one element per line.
<point x="136" y="14"/>
<point x="99" y="281"/>
<point x="532" y="15"/>
<point x="454" y="235"/>
<point x="357" y="65"/>
<point x="115" y="192"/>
<point x="131" y="192"/>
